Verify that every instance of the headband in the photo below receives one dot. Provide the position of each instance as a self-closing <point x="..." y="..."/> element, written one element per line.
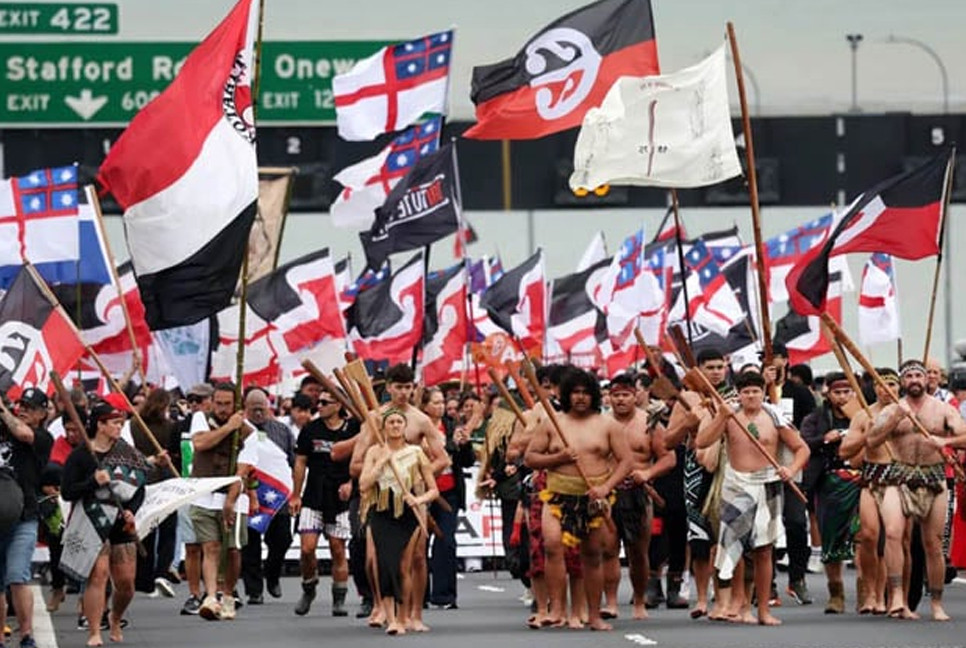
<point x="841" y="383"/>
<point x="393" y="410"/>
<point x="912" y="365"/>
<point x="614" y="388"/>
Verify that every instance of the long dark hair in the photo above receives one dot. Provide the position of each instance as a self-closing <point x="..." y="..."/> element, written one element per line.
<point x="574" y="377"/>
<point x="155" y="405"/>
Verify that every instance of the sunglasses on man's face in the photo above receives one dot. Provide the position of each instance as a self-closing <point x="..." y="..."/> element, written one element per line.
<point x="323" y="403"/>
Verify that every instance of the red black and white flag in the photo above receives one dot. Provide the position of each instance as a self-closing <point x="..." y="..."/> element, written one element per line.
<point x="300" y="301"/>
<point x="802" y="334"/>
<point x="186" y="176"/>
<point x="445" y="331"/>
<point x="35" y="338"/>
<point x="385" y="321"/>
<point x="563" y="71"/>
<point x="99" y="315"/>
<point x="901" y="216"/>
<point x="421" y="209"/>
<point x="574" y="317"/>
<point x="517" y="303"/>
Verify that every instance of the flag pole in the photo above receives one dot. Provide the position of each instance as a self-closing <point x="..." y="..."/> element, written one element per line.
<point x="947" y="192"/>
<point x="112" y="265"/>
<point x="55" y="303"/>
<point x="507" y="180"/>
<point x="243" y="297"/>
<point x="468" y="305"/>
<point x="684" y="274"/>
<point x="755" y="211"/>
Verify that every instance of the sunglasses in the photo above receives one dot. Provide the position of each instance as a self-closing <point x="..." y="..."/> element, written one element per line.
<point x="323" y="403"/>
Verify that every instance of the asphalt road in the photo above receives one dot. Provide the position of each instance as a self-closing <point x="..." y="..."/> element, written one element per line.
<point x="491" y="614"/>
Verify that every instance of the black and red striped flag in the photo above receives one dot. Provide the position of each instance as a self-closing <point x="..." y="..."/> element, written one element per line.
<point x="563" y="71"/>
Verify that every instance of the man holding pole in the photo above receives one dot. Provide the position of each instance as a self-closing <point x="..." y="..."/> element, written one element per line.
<point x="752" y="489"/>
<point x="916" y="485"/>
<point x="214" y="516"/>
<point x="585" y="458"/>
<point x="632" y="511"/>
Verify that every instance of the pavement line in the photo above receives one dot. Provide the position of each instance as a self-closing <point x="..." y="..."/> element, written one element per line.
<point x="44" y="633"/>
<point x="490" y="588"/>
<point x="640" y="639"/>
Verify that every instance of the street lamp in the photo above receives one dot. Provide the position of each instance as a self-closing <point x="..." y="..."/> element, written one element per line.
<point x="854" y="40"/>
<point x="892" y="38"/>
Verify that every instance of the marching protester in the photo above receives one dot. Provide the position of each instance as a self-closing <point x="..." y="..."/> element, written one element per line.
<point x="106" y="481"/>
<point x="451" y="483"/>
<point x="278" y="537"/>
<point x="322" y="488"/>
<point x="395" y="511"/>
<point x="221" y="448"/>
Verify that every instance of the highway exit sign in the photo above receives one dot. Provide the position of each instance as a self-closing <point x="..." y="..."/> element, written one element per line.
<point x="105" y="84"/>
<point x="58" y="18"/>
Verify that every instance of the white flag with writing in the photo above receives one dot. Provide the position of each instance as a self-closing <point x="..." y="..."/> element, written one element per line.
<point x="668" y="130"/>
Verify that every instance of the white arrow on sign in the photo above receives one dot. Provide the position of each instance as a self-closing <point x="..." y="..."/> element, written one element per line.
<point x="86" y="105"/>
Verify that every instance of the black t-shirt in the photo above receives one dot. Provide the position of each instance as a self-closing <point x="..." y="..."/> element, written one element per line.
<point x="315" y="442"/>
<point x="27" y="461"/>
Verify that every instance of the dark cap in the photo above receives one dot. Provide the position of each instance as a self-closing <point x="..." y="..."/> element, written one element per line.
<point x="33" y="397"/>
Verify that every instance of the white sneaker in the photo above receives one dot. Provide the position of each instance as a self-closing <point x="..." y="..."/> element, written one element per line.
<point x="815" y="564"/>
<point x="163" y="587"/>
<point x="526" y="597"/>
<point x="685" y="591"/>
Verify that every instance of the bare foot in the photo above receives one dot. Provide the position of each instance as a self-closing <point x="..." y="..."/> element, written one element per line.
<point x="553" y="622"/>
<point x="377" y="619"/>
<point x="574" y="623"/>
<point x="599" y="624"/>
<point x="396" y="629"/>
<point x="903" y="613"/>
<point x="95" y="640"/>
<point x="417" y="625"/>
<point x="938" y="613"/>
<point x="769" y="620"/>
<point x="115" y="633"/>
<point x="640" y="612"/>
<point x="609" y="612"/>
<point x="748" y="618"/>
<point x="699" y="610"/>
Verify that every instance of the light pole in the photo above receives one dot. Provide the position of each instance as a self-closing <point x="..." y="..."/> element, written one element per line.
<point x="854" y="40"/>
<point x="892" y="38"/>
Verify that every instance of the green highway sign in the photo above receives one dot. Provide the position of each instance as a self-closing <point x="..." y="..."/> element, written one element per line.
<point x="58" y="18"/>
<point x="65" y="84"/>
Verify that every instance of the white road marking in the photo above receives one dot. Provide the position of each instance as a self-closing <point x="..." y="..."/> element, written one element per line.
<point x="961" y="581"/>
<point x="43" y="627"/>
<point x="640" y="640"/>
<point x="490" y="588"/>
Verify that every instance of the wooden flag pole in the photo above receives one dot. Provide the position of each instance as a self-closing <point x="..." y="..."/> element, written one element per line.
<point x="52" y="298"/>
<point x="766" y="341"/>
<point x="682" y="268"/>
<point x="947" y="193"/>
<point x="112" y="265"/>
<point x="507" y="397"/>
<point x="853" y="381"/>
<point x="849" y="345"/>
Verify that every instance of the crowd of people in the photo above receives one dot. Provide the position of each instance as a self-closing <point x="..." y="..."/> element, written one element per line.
<point x="706" y="478"/>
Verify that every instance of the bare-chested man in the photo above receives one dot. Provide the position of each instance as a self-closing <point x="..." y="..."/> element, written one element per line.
<point x="700" y="467"/>
<point x="632" y="510"/>
<point x="576" y="512"/>
<point x="419" y="431"/>
<point x="874" y="461"/>
<point x="752" y="489"/>
<point x="916" y="484"/>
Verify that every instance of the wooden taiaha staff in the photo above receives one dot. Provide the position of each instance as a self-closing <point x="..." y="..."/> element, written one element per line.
<point x="853" y="381"/>
<point x="849" y="345"/>
<point x="331" y="387"/>
<point x="521" y="386"/>
<point x="697" y="381"/>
